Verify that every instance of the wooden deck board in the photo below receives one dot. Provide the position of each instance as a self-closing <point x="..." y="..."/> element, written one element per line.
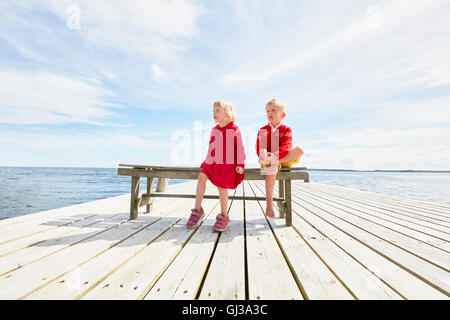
<point x="183" y="277"/>
<point x="400" y="207"/>
<point x="408" y="239"/>
<point x="433" y="275"/>
<point x="269" y="276"/>
<point x="96" y="270"/>
<point x="440" y="210"/>
<point x="134" y="279"/>
<point x="410" y="221"/>
<point x="376" y="264"/>
<point x="225" y="277"/>
<point x="314" y="277"/>
<point x="344" y="244"/>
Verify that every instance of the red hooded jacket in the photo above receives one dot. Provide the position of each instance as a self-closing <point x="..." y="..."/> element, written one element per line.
<point x="225" y="153"/>
<point x="278" y="142"/>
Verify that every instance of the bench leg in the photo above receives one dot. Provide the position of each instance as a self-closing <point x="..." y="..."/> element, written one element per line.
<point x="149" y="191"/>
<point x="281" y="204"/>
<point x="134" y="197"/>
<point x="162" y="184"/>
<point x="288" y="203"/>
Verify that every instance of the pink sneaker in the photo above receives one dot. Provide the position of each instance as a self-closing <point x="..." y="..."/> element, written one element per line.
<point x="195" y="218"/>
<point x="222" y="222"/>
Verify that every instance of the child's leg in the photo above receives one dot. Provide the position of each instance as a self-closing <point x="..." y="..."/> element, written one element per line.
<point x="293" y="155"/>
<point x="270" y="183"/>
<point x="201" y="187"/>
<point x="223" y="195"/>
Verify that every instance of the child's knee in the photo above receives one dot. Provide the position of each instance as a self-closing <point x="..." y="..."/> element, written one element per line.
<point x="299" y="151"/>
<point x="202" y="177"/>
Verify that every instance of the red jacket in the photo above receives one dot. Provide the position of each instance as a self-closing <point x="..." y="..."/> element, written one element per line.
<point x="225" y="153"/>
<point x="278" y="142"/>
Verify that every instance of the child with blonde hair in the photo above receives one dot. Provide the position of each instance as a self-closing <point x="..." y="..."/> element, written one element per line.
<point x="223" y="166"/>
<point x="274" y="148"/>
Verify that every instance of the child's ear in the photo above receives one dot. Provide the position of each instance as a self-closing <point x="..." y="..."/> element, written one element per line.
<point x="283" y="115"/>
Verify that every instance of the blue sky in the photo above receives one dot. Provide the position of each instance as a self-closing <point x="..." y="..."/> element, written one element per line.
<point x="98" y="83"/>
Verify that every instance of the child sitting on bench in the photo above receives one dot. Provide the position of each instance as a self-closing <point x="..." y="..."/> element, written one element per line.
<point x="274" y="148"/>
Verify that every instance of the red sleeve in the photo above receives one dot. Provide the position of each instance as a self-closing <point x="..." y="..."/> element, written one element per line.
<point x="211" y="152"/>
<point x="261" y="140"/>
<point x="257" y="145"/>
<point x="285" y="143"/>
<point x="239" y="150"/>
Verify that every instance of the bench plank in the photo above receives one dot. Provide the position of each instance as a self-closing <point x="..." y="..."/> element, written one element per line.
<point x="193" y="174"/>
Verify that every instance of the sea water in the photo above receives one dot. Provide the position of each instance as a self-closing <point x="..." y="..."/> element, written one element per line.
<point x="25" y="190"/>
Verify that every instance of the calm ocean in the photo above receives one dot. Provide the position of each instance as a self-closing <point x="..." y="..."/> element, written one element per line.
<point x="25" y="190"/>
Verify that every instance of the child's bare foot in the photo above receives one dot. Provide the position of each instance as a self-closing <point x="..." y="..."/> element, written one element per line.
<point x="270" y="212"/>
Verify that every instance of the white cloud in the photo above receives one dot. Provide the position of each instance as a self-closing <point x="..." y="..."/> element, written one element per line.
<point x="430" y="112"/>
<point x="151" y="28"/>
<point x="158" y="74"/>
<point x="383" y="158"/>
<point x="403" y="28"/>
<point x="72" y="140"/>
<point x="378" y="137"/>
<point x="46" y="98"/>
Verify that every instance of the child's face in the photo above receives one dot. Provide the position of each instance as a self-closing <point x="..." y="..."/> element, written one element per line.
<point x="219" y="115"/>
<point x="274" y="114"/>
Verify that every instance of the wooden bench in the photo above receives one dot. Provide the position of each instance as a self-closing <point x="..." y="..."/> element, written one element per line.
<point x="284" y="177"/>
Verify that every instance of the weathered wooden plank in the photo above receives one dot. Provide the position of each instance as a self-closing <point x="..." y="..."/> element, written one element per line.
<point x="183" y="277"/>
<point x="38" y="274"/>
<point x="225" y="279"/>
<point x="52" y="218"/>
<point x="134" y="279"/>
<point x="269" y="276"/>
<point x="361" y="283"/>
<point x="281" y="204"/>
<point x="423" y="224"/>
<point x="33" y="276"/>
<point x="32" y="229"/>
<point x="249" y="175"/>
<point x="316" y="280"/>
<point x="149" y="190"/>
<point x="433" y="275"/>
<point x="411" y="230"/>
<point x="43" y="249"/>
<point x="134" y="198"/>
<point x="206" y="196"/>
<point x="194" y="168"/>
<point x="74" y="211"/>
<point x="401" y="208"/>
<point x="13" y="246"/>
<point x="425" y="251"/>
<point x="92" y="273"/>
<point x="407" y="284"/>
<point x="432" y="207"/>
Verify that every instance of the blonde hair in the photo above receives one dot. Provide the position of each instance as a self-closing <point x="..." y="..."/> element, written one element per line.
<point x="277" y="103"/>
<point x="228" y="108"/>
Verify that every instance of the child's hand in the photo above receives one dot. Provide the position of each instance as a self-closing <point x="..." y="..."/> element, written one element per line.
<point x="240" y="170"/>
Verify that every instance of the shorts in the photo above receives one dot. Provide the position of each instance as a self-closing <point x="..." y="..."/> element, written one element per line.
<point x="289" y="164"/>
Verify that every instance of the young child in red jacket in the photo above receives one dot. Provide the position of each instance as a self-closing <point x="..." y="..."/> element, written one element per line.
<point x="274" y="148"/>
<point x="223" y="166"/>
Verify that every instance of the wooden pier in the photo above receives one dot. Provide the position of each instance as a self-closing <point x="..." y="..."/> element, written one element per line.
<point x="343" y="244"/>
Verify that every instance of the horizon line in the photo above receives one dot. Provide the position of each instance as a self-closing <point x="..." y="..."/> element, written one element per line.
<point x="313" y="169"/>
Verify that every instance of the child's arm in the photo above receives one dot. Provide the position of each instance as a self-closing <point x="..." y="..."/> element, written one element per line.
<point x="239" y="152"/>
<point x="261" y="141"/>
<point x="285" y="144"/>
<point x="211" y="150"/>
